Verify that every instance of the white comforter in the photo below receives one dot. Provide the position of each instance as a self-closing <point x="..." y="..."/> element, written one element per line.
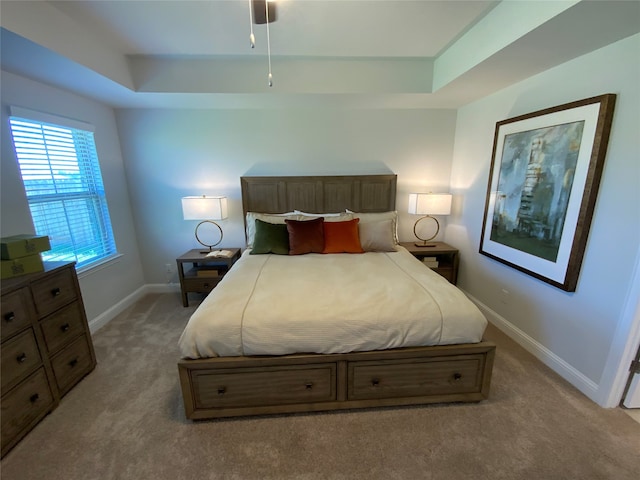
<point x="336" y="303"/>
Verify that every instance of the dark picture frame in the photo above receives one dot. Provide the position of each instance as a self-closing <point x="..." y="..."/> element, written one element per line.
<point x="543" y="183"/>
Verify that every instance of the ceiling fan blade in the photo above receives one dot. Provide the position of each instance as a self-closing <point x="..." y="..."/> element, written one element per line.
<point x="259" y="11"/>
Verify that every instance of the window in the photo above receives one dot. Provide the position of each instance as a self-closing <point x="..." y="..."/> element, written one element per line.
<point x="61" y="176"/>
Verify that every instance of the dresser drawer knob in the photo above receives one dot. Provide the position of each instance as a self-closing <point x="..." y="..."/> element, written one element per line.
<point x="375" y="382"/>
<point x="73" y="362"/>
<point x="308" y="385"/>
<point x="65" y="327"/>
<point x="457" y="376"/>
<point x="55" y="292"/>
<point x="34" y="398"/>
<point x="222" y="390"/>
<point x="9" y="317"/>
<point x="21" y="358"/>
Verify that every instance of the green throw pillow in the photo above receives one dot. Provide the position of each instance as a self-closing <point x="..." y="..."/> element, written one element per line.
<point x="270" y="238"/>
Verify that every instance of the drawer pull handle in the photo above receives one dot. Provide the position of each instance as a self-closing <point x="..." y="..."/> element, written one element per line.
<point x="55" y="292"/>
<point x="21" y="358"/>
<point x="375" y="382"/>
<point x="34" y="398"/>
<point x="73" y="362"/>
<point x="222" y="390"/>
<point x="65" y="327"/>
<point x="308" y="385"/>
<point x="457" y="376"/>
<point x="9" y="317"/>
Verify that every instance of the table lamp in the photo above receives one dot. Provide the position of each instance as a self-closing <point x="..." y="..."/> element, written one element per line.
<point x="206" y="209"/>
<point x="427" y="205"/>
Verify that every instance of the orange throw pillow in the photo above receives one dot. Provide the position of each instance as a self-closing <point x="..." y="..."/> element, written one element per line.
<point x="342" y="237"/>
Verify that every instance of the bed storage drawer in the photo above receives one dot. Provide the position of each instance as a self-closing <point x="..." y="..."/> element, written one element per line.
<point x="238" y="386"/>
<point x="277" y="385"/>
<point x="414" y="377"/>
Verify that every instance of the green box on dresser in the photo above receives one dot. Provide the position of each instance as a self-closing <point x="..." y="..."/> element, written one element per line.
<point x="46" y="346"/>
<point x="20" y="254"/>
<point x="18" y="246"/>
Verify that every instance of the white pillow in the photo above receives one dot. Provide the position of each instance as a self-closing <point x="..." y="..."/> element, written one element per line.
<point x="377" y="236"/>
<point x="328" y="217"/>
<point x="298" y="212"/>
<point x="376" y="217"/>
<point x="278" y="218"/>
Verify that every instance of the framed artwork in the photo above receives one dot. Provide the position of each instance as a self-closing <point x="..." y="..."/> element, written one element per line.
<point x="545" y="172"/>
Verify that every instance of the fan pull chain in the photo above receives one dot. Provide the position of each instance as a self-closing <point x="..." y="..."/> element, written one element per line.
<point x="252" y="37"/>
<point x="270" y="77"/>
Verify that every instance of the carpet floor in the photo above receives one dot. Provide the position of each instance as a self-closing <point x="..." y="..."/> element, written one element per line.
<point x="126" y="421"/>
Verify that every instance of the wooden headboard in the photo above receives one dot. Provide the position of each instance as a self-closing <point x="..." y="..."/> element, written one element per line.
<point x="319" y="194"/>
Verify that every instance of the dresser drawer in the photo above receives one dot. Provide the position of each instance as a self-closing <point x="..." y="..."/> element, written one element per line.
<point x="264" y="386"/>
<point x="201" y="284"/>
<point x="413" y="377"/>
<point x="54" y="291"/>
<point x="71" y="364"/>
<point x="17" y="312"/>
<point x="20" y="356"/>
<point x="62" y="326"/>
<point x="23" y="406"/>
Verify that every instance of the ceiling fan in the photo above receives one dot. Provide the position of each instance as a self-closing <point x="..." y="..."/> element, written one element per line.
<point x="260" y="15"/>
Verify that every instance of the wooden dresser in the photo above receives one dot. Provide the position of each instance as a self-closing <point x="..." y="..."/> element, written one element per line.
<point x="46" y="346"/>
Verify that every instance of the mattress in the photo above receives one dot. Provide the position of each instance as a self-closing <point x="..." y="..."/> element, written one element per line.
<point x="335" y="303"/>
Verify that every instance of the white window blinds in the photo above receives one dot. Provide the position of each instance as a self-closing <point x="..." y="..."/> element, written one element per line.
<point x="61" y="175"/>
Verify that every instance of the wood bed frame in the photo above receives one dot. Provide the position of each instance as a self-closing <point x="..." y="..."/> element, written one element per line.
<point x="239" y="386"/>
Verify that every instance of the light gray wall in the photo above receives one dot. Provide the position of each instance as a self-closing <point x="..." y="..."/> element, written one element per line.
<point x="173" y="153"/>
<point x="103" y="287"/>
<point x="574" y="332"/>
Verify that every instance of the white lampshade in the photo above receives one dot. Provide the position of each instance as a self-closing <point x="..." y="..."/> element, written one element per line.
<point x="204" y="208"/>
<point x="430" y="203"/>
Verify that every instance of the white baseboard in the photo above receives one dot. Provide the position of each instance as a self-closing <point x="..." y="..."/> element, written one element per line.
<point x="542" y="353"/>
<point x="163" y="288"/>
<point x="105" y="317"/>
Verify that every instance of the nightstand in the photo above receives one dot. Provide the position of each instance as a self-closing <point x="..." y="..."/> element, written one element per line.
<point x="445" y="255"/>
<point x="204" y="272"/>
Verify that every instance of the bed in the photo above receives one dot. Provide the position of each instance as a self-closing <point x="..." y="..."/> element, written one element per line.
<point x="322" y="331"/>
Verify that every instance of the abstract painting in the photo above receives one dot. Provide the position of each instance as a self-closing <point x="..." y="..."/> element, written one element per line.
<point x="543" y="183"/>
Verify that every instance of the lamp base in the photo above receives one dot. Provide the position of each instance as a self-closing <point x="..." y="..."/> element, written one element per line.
<point x="206" y="244"/>
<point x="425" y="240"/>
